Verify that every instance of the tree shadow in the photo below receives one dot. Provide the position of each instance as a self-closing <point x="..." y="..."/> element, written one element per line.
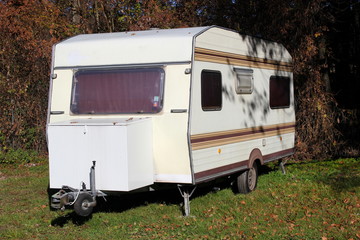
<point x="169" y="196"/>
<point x="121" y="203"/>
<point x="340" y="183"/>
<point x="340" y="175"/>
<point x="343" y="178"/>
<point x="265" y="169"/>
<point x="72" y="217"/>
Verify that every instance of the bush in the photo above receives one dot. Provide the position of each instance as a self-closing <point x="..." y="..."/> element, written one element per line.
<point x="19" y="156"/>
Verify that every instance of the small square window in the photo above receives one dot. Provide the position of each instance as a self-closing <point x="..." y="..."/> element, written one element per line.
<point x="279" y="92"/>
<point x="211" y="90"/>
<point x="244" y="80"/>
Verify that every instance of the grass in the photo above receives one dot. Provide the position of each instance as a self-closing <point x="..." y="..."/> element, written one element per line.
<point x="314" y="200"/>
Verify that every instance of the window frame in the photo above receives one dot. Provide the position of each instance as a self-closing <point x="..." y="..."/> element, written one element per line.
<point x="216" y="107"/>
<point x="285" y="102"/>
<point x="120" y="70"/>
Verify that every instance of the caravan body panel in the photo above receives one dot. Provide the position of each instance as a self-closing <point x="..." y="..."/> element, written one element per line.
<point x="222" y="139"/>
<point x="186" y="140"/>
<point x="113" y="144"/>
<point x="126" y="48"/>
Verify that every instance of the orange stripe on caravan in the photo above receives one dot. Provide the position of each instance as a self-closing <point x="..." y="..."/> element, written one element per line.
<point x="207" y="140"/>
<point x="207" y="55"/>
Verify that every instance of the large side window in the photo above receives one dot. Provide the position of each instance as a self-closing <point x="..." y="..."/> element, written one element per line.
<point x="111" y="91"/>
<point x="211" y="90"/>
<point x="279" y="92"/>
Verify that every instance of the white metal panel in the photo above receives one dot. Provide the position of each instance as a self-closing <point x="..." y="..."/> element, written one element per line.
<point x="239" y="111"/>
<point x="141" y="47"/>
<point x="61" y="95"/>
<point x="68" y="165"/>
<point x="140" y="155"/>
<point x="210" y="158"/>
<point x="173" y="178"/>
<point x="232" y="42"/>
<point x="171" y="150"/>
<point x="170" y="144"/>
<point x="223" y="155"/>
<point x="171" y="155"/>
<point x="122" y="151"/>
<point x="275" y="144"/>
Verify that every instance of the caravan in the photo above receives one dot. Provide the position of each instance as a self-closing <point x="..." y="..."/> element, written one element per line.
<point x="130" y="111"/>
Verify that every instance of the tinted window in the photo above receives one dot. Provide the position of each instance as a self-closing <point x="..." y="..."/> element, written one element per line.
<point x="279" y="92"/>
<point x="106" y="91"/>
<point x="211" y="90"/>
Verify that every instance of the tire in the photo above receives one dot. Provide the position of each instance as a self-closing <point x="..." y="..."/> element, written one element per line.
<point x="246" y="182"/>
<point x="81" y="205"/>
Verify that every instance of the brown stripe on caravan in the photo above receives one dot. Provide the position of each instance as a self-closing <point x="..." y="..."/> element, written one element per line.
<point x="277" y="155"/>
<point x="220" y="171"/>
<point x="207" y="55"/>
<point x="236" y="167"/>
<point x="207" y="140"/>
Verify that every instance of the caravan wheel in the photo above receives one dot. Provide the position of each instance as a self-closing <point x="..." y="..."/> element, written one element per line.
<point x="246" y="182"/>
<point x="83" y="205"/>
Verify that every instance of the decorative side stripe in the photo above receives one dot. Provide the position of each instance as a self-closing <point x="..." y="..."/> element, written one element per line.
<point x="278" y="155"/>
<point x="207" y="140"/>
<point x="239" y="166"/>
<point x="220" y="171"/>
<point x="207" y="55"/>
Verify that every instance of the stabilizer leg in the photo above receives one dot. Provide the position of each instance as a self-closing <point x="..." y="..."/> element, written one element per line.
<point x="186" y="194"/>
<point x="282" y="166"/>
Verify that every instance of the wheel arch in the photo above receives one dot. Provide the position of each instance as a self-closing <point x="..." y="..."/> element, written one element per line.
<point x="255" y="156"/>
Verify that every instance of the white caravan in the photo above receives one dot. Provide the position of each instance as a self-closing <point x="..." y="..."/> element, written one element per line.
<point x="176" y="106"/>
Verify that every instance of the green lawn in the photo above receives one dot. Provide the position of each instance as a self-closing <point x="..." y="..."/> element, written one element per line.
<point x="314" y="200"/>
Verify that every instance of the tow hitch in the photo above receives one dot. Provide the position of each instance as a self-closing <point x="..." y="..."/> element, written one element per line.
<point x="82" y="200"/>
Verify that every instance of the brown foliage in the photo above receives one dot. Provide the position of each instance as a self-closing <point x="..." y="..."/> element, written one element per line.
<point x="303" y="27"/>
<point x="154" y="14"/>
<point x="28" y="30"/>
<point x="30" y="27"/>
<point x="91" y="16"/>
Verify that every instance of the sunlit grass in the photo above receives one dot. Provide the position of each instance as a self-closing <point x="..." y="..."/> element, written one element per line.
<point x="314" y="200"/>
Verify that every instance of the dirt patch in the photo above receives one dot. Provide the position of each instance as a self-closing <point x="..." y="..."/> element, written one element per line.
<point x="2" y="176"/>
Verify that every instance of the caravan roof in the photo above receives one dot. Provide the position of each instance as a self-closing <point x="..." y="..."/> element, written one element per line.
<point x="152" y="46"/>
<point x="159" y="46"/>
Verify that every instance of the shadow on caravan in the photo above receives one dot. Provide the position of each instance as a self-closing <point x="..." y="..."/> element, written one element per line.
<point x="139" y="111"/>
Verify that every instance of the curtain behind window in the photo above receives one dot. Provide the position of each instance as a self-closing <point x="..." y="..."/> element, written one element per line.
<point x="117" y="91"/>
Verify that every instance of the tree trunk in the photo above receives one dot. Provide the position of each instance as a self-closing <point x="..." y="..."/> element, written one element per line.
<point x="75" y="11"/>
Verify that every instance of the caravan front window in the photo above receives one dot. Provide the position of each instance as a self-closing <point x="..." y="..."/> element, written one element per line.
<point x="111" y="91"/>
